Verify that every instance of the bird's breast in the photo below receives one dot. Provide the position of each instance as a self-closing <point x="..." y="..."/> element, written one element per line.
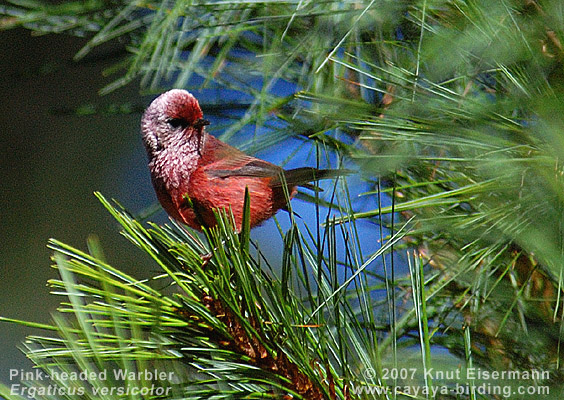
<point x="173" y="168"/>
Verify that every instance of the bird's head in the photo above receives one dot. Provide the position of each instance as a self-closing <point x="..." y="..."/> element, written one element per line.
<point x="172" y="119"/>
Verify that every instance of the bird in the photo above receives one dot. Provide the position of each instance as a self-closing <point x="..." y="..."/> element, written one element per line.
<point x="194" y="174"/>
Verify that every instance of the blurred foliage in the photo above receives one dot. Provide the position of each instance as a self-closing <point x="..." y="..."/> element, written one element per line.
<point x="453" y="108"/>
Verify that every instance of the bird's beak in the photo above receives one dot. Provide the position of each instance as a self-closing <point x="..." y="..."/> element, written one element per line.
<point x="201" y="123"/>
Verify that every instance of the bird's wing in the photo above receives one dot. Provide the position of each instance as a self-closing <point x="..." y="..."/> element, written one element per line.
<point x="225" y="161"/>
<point x="248" y="166"/>
<point x="254" y="167"/>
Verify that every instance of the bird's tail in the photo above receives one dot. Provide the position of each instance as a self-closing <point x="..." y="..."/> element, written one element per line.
<point x="303" y="176"/>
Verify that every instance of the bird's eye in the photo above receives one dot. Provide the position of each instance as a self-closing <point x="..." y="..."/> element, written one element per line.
<point x="177" y="123"/>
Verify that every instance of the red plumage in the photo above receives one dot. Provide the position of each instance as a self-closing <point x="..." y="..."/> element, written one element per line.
<point x="188" y="163"/>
